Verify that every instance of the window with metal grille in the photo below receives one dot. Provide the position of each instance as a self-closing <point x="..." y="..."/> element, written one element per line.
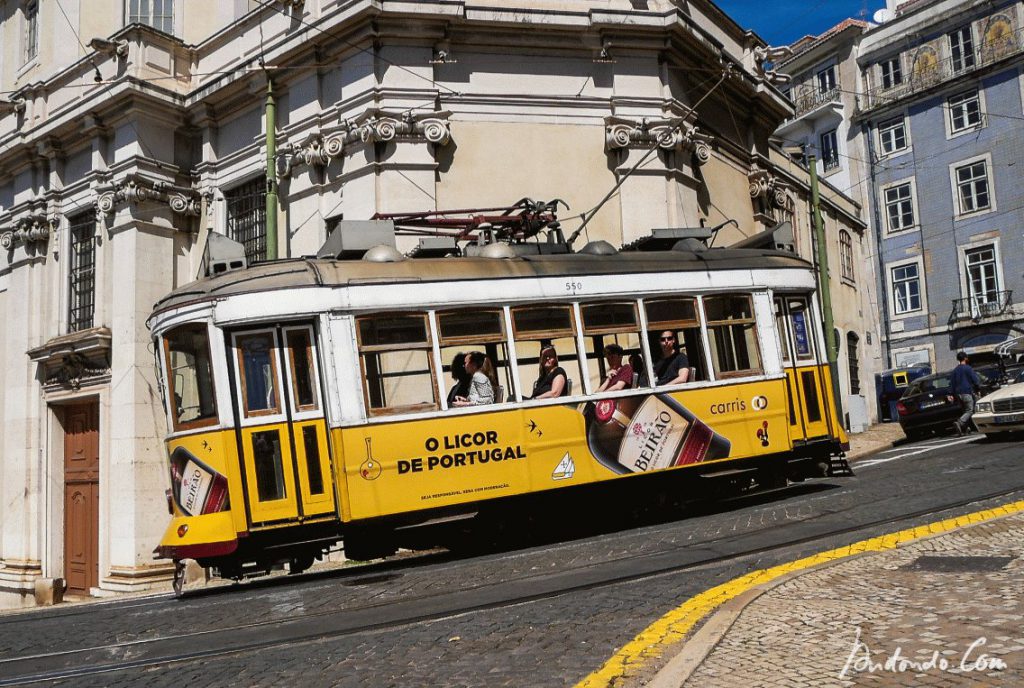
<point x="852" y="340"/>
<point x="156" y="13"/>
<point x="82" y="275"/>
<point x="247" y="218"/>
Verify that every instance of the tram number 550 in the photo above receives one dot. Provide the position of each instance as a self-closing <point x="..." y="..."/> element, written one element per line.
<point x="572" y="286"/>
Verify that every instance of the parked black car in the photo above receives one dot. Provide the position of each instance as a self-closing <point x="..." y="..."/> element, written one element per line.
<point x="929" y="404"/>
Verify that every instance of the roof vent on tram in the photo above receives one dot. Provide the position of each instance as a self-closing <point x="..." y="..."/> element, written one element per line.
<point x="383" y="254"/>
<point x="351" y="239"/>
<point x="497" y="250"/>
<point x="222" y="254"/>
<point x="599" y="248"/>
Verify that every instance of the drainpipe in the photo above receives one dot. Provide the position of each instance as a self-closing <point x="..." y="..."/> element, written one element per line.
<point x="271" y="112"/>
<point x="883" y="292"/>
<point x="828" y="322"/>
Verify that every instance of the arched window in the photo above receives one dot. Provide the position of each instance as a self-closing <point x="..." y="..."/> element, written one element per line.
<point x="846" y="254"/>
<point x="852" y="340"/>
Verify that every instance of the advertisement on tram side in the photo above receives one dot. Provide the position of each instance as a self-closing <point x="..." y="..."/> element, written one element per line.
<point x="406" y="466"/>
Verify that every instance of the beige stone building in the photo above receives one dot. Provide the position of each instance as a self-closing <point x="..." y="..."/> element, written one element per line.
<point x="130" y="131"/>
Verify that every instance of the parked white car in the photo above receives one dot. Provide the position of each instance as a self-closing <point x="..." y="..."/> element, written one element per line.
<point x="1001" y="411"/>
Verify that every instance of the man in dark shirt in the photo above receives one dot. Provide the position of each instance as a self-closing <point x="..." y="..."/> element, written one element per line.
<point x="965" y="383"/>
<point x="673" y="368"/>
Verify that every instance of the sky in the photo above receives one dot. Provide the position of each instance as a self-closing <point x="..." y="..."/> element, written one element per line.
<point x="780" y="22"/>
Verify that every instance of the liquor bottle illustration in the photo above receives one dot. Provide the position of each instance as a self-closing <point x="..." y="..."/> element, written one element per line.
<point x="199" y="488"/>
<point x="648" y="433"/>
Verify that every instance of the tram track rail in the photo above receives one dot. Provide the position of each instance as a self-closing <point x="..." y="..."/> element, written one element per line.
<point x="237" y="639"/>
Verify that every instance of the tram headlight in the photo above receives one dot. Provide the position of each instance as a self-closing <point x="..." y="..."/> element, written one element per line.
<point x="984" y="407"/>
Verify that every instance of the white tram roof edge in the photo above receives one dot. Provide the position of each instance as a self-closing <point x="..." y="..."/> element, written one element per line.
<point x="308" y="275"/>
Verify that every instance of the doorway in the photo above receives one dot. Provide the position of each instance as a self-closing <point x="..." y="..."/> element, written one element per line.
<point x="81" y="496"/>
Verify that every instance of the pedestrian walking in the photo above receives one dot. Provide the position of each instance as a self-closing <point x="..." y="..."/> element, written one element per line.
<point x="965" y="384"/>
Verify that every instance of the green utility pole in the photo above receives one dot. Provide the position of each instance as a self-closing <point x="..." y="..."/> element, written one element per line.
<point x="271" y="171"/>
<point x="824" y="287"/>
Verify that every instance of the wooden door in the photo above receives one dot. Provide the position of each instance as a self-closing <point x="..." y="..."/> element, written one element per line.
<point x="81" y="497"/>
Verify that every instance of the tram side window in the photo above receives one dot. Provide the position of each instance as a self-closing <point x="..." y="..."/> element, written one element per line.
<point x="615" y="325"/>
<point x="396" y="357"/>
<point x="780" y="326"/>
<point x="302" y="369"/>
<point x="732" y="335"/>
<point x="465" y="333"/>
<point x="673" y="329"/>
<point x="190" y="376"/>
<point x="546" y="342"/>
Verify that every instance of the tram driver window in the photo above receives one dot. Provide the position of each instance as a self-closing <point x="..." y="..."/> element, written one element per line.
<point x="394" y="350"/>
<point x="732" y="335"/>
<point x="464" y="332"/>
<point x="190" y="376"/>
<point x="674" y="336"/>
<point x="607" y="324"/>
<point x="546" y="330"/>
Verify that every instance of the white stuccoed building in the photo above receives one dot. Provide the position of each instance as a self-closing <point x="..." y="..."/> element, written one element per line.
<point x="119" y="156"/>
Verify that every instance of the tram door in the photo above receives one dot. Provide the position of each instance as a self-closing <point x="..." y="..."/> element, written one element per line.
<point x="285" y="459"/>
<point x="803" y="367"/>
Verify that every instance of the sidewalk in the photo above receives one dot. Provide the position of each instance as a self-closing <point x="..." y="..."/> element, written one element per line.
<point x="945" y="610"/>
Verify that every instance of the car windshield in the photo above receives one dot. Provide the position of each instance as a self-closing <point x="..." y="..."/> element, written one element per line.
<point x="1020" y="377"/>
<point x="927" y="384"/>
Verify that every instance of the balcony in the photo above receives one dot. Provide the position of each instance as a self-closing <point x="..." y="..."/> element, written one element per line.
<point x="995" y="305"/>
<point x="927" y="72"/>
<point x="811" y="99"/>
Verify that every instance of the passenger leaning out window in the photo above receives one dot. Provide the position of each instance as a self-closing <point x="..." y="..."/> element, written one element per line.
<point x="482" y="382"/>
<point x="551" y="378"/>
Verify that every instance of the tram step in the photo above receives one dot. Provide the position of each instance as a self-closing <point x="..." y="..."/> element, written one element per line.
<point x="839" y="466"/>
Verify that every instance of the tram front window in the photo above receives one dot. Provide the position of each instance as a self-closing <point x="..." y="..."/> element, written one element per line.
<point x="397" y="366"/>
<point x="190" y="376"/>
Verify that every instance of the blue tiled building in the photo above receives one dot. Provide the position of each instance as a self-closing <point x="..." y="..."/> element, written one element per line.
<point x="941" y="120"/>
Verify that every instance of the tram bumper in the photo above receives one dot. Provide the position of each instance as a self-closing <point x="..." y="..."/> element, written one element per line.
<point x="198" y="537"/>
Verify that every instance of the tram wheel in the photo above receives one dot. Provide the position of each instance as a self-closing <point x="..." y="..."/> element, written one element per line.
<point x="299" y="564"/>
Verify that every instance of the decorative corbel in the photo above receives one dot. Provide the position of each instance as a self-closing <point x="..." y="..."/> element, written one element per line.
<point x="667" y="134"/>
<point x="138" y="189"/>
<point x="30" y="229"/>
<point x="764" y="184"/>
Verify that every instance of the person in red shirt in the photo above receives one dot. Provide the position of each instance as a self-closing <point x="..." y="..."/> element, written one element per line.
<point x="620" y="375"/>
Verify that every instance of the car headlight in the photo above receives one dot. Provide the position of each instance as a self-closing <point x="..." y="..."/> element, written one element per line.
<point x="984" y="407"/>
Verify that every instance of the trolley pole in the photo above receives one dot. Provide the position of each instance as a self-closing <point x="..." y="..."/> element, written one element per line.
<point x="271" y="114"/>
<point x="824" y="286"/>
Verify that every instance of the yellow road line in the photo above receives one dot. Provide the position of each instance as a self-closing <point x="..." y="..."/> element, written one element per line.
<point x="674" y="626"/>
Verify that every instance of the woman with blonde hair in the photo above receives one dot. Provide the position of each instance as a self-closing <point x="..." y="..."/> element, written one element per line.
<point x="551" y="377"/>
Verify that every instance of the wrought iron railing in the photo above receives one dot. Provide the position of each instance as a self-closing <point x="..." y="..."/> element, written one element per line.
<point x="927" y="71"/>
<point x="981" y="306"/>
<point x="812" y="98"/>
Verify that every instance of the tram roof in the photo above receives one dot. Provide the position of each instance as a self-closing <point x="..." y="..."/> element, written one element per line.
<point x="315" y="272"/>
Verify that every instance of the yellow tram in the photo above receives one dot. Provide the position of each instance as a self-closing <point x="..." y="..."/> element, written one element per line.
<point x="307" y="399"/>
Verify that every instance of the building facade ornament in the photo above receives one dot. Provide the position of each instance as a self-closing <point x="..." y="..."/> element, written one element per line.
<point x="765" y="185"/>
<point x="372" y="126"/>
<point x="667" y="134"/>
<point x="139" y="189"/>
<point x="34" y="228"/>
<point x="75" y="360"/>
